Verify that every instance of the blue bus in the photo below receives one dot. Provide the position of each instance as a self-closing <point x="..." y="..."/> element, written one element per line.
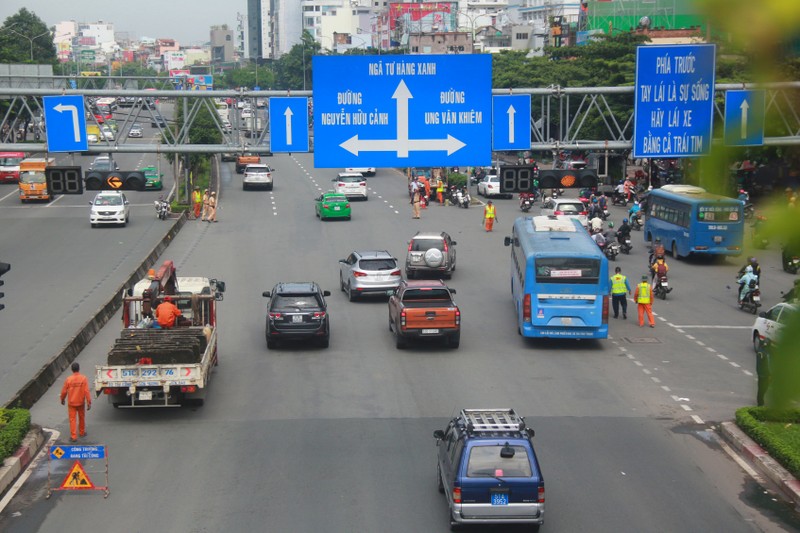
<point x="559" y="279"/>
<point x="690" y="220"/>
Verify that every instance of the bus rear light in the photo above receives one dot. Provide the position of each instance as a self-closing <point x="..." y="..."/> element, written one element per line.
<point x="605" y="309"/>
<point x="526" y="308"/>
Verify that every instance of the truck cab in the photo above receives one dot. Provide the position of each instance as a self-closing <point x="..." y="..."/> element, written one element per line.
<point x="32" y="182"/>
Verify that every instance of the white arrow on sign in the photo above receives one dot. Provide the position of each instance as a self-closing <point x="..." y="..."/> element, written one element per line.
<point x="511" y="112"/>
<point x="288" y="114"/>
<point x="402" y="144"/>
<point x="744" y="107"/>
<point x="76" y="131"/>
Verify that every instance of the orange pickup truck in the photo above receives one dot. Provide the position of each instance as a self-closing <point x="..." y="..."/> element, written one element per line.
<point x="243" y="160"/>
<point x="424" y="309"/>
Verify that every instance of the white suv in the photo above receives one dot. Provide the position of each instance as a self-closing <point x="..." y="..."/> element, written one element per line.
<point x="769" y="324"/>
<point x="351" y="184"/>
<point x="567" y="208"/>
<point x="257" y="176"/>
<point x="109" y="207"/>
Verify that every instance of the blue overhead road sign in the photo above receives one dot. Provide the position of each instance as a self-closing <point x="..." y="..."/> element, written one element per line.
<point x="65" y="124"/>
<point x="288" y="124"/>
<point x="511" y="118"/>
<point x="674" y="102"/>
<point x="744" y="118"/>
<point x="398" y="111"/>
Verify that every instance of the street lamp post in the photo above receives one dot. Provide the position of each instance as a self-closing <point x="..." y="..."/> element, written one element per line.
<point x="31" y="39"/>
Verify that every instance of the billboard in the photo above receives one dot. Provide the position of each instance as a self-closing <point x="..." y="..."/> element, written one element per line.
<point x="405" y="19"/>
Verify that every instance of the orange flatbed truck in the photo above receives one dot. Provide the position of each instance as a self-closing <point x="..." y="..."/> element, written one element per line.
<point x="424" y="309"/>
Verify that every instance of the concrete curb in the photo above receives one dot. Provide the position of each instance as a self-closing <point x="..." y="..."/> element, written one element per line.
<point x="30" y="393"/>
<point x="13" y="466"/>
<point x="787" y="485"/>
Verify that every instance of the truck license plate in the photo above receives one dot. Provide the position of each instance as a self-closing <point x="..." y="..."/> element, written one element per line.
<point x="499" y="498"/>
<point x="297" y="318"/>
<point x="429" y="331"/>
<point x="145" y="395"/>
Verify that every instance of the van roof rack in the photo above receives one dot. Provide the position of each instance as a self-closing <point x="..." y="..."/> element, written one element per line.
<point x="492" y="420"/>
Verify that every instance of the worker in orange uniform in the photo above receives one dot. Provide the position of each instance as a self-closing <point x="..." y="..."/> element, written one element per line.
<point x="197" y="202"/>
<point x="489" y="216"/>
<point x="167" y="313"/>
<point x="643" y="297"/>
<point x="76" y="389"/>
<point x="440" y="191"/>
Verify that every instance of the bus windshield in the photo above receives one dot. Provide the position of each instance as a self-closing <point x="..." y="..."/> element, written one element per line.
<point x="32" y="177"/>
<point x="567" y="270"/>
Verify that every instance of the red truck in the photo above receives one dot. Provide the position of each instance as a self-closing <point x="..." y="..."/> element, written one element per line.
<point x="424" y="309"/>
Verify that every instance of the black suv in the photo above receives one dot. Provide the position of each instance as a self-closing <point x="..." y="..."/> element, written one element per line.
<point x="488" y="470"/>
<point x="297" y="311"/>
<point x="431" y="252"/>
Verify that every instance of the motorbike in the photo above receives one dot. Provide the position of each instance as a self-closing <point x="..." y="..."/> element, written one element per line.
<point x="636" y="221"/>
<point x="163" y="209"/>
<point x="611" y="250"/>
<point x="525" y="204"/>
<point x="760" y="240"/>
<point x="619" y="199"/>
<point x="462" y="198"/>
<point x="662" y="288"/>
<point x="752" y="300"/>
<point x="626" y="246"/>
<point x="549" y="201"/>
<point x="791" y="262"/>
<point x="749" y="211"/>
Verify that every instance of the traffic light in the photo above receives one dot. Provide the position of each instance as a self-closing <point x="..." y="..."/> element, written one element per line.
<point x="566" y="179"/>
<point x="64" y="180"/>
<point x="4" y="267"/>
<point x="115" y="180"/>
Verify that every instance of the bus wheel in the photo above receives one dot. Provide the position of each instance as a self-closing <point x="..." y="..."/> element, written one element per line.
<point x="674" y="250"/>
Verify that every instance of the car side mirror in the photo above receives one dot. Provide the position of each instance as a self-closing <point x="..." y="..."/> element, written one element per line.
<point x="438" y="434"/>
<point x="507" y="241"/>
<point x="763" y="314"/>
<point x="90" y="202"/>
<point x="266" y="294"/>
<point x="326" y="293"/>
<point x="453" y="243"/>
<point x="343" y="260"/>
<point x="452" y="291"/>
<point x="530" y="432"/>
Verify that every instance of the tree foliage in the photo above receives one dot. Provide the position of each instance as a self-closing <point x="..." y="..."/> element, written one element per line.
<point x="25" y="38"/>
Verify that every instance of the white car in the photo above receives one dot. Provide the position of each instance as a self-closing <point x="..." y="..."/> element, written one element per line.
<point x="567" y="208"/>
<point x="769" y="323"/>
<point x="107" y="132"/>
<point x="257" y="176"/>
<point x="489" y="186"/>
<point x="109" y="207"/>
<point x="351" y="184"/>
<point x="364" y="171"/>
<point x="247" y="113"/>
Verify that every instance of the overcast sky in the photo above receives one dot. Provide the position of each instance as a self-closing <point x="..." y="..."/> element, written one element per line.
<point x="187" y="21"/>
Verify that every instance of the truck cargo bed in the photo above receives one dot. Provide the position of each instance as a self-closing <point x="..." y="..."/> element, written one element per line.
<point x="160" y="346"/>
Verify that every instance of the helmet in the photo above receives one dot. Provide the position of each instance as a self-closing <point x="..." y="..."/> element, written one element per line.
<point x="742" y="191"/>
<point x="749" y="269"/>
<point x="624" y="220"/>
<point x="610" y="224"/>
<point x="753" y="261"/>
<point x="167" y="298"/>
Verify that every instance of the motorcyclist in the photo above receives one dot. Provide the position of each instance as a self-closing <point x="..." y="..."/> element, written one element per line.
<point x="595" y="223"/>
<point x="744" y="197"/>
<point x="744" y="282"/>
<point x="602" y="201"/>
<point x="659" y="268"/>
<point x="610" y="234"/>
<point x="598" y="238"/>
<point x="525" y="195"/>
<point x="634" y="210"/>
<point x="656" y="250"/>
<point x="624" y="231"/>
<point x="752" y="262"/>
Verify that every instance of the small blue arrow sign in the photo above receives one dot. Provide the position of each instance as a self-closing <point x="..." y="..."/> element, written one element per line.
<point x="744" y="118"/>
<point x="511" y="122"/>
<point x="66" y="123"/>
<point x="288" y="124"/>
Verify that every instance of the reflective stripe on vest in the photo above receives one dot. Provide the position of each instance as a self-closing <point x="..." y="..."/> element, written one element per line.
<point x="618" y="284"/>
<point x="489" y="211"/>
<point x="644" y="293"/>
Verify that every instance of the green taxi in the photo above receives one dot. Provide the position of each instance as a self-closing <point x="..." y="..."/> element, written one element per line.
<point x="152" y="179"/>
<point x="332" y="205"/>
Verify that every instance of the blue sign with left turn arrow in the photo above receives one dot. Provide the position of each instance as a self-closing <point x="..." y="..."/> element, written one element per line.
<point x="65" y="123"/>
<point x="400" y="111"/>
<point x="288" y="124"/>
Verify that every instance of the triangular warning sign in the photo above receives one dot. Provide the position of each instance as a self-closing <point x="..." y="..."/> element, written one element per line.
<point x="77" y="478"/>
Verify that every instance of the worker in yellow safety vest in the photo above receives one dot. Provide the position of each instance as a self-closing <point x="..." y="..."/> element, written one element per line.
<point x="644" y="299"/>
<point x="440" y="191"/>
<point x="619" y="293"/>
<point x="489" y="216"/>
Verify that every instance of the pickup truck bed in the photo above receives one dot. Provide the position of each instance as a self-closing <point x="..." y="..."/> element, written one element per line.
<point x="424" y="309"/>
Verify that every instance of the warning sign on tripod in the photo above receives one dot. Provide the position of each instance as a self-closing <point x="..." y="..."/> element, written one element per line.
<point x="87" y="462"/>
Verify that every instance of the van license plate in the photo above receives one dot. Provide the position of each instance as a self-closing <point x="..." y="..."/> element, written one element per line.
<point x="145" y="395"/>
<point x="429" y="331"/>
<point x="500" y="498"/>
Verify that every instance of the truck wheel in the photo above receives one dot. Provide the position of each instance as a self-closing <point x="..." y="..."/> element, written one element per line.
<point x="271" y="344"/>
<point x="454" y="340"/>
<point x="116" y="405"/>
<point x="400" y="342"/>
<point x="439" y="479"/>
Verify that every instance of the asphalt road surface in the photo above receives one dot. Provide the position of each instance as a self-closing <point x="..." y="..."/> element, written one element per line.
<point x="340" y="439"/>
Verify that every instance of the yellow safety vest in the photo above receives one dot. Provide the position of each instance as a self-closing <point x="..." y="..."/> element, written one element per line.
<point x="644" y="293"/>
<point x="489" y="211"/>
<point x="440" y="186"/>
<point x="618" y="284"/>
<point x="198" y="197"/>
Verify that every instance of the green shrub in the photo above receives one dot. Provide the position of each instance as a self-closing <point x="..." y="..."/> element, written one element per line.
<point x="14" y="425"/>
<point x="778" y="432"/>
<point x="456" y="179"/>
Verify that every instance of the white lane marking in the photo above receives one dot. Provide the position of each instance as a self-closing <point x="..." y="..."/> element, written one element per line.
<point x="678" y="330"/>
<point x="698" y="419"/>
<point x="14" y="192"/>
<point x="722" y="357"/>
<point x="741" y="462"/>
<point x="747" y="373"/>
<point x="29" y="469"/>
<point x="708" y="326"/>
<point x="735" y="365"/>
<point x="666" y="389"/>
<point x="661" y="318"/>
<point x="701" y="343"/>
<point x="675" y="398"/>
<point x="53" y="201"/>
<point x="638" y="363"/>
<point x="623" y="349"/>
<point x="656" y="380"/>
<point x="685" y="407"/>
<point x="396" y="212"/>
<point x="646" y="371"/>
<point x="689" y="337"/>
<point x="710" y="349"/>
